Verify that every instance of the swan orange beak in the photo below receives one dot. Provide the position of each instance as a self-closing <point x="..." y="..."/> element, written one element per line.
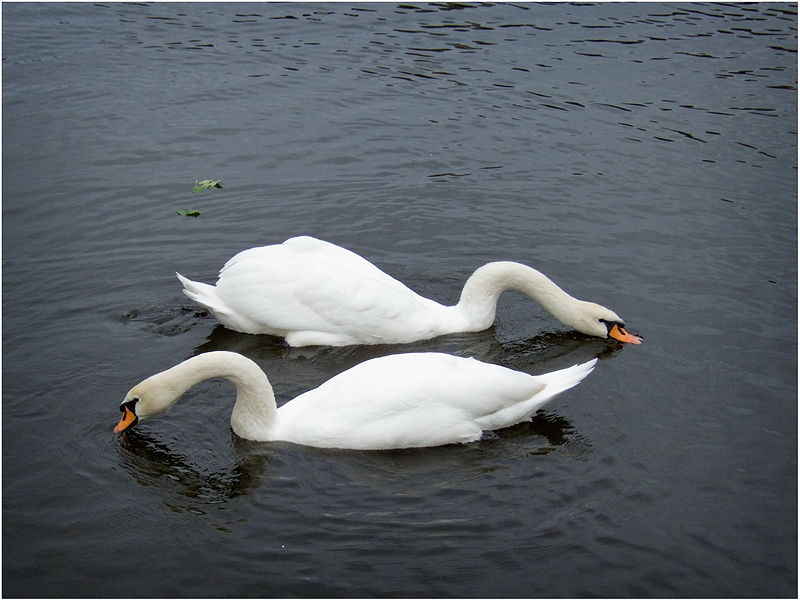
<point x="128" y="419"/>
<point x="623" y="336"/>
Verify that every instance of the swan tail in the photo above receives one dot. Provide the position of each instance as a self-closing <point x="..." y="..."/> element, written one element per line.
<point x="202" y="294"/>
<point x="208" y="297"/>
<point x="564" y="379"/>
<point x="550" y="385"/>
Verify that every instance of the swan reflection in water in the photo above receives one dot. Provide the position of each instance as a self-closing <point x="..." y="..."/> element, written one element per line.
<point x="159" y="464"/>
<point x="547" y="351"/>
<point x="155" y="463"/>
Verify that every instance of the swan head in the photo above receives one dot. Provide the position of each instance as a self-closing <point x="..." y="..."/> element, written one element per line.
<point x="596" y="320"/>
<point x="147" y="398"/>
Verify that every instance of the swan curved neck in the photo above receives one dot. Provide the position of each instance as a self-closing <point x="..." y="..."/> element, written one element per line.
<point x="255" y="411"/>
<point x="480" y="294"/>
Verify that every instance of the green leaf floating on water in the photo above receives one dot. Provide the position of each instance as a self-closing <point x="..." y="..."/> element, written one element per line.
<point x="204" y="185"/>
<point x="199" y="186"/>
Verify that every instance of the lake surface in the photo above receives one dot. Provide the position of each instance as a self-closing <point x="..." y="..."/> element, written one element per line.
<point x="642" y="155"/>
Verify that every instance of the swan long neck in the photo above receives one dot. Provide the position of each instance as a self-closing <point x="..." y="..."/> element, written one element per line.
<point x="480" y="294"/>
<point x="255" y="411"/>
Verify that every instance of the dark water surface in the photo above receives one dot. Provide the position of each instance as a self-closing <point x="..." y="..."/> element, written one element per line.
<point x="642" y="155"/>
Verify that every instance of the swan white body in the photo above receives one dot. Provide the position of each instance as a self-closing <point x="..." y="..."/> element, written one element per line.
<point x="313" y="292"/>
<point x="397" y="401"/>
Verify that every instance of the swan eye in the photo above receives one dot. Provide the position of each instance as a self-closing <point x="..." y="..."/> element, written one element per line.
<point x="130" y="405"/>
<point x="610" y="324"/>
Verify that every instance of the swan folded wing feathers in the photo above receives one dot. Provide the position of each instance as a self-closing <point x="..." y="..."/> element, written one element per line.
<point x="429" y="426"/>
<point x="366" y="425"/>
<point x="269" y="299"/>
<point x="369" y="427"/>
<point x="490" y="395"/>
<point x="435" y="399"/>
<point x="337" y="257"/>
<point x="303" y="254"/>
<point x="321" y="296"/>
<point x="299" y="299"/>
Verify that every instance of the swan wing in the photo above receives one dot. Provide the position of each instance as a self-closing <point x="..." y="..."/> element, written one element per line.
<point x="413" y="400"/>
<point x="311" y="286"/>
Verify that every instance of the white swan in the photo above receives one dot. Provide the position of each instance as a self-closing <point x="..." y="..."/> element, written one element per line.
<point x="313" y="292"/>
<point x="392" y="402"/>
